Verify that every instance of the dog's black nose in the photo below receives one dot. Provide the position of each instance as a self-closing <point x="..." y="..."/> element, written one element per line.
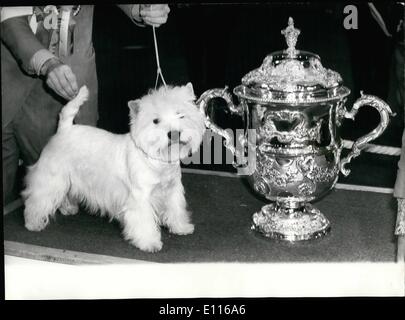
<point x="174" y="135"/>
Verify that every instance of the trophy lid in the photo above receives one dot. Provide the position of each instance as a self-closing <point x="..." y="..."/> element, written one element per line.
<point x="291" y="76"/>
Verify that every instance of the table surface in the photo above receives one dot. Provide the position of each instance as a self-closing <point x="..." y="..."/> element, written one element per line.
<point x="362" y="229"/>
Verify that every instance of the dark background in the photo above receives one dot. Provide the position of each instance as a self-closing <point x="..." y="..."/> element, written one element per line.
<point x="213" y="45"/>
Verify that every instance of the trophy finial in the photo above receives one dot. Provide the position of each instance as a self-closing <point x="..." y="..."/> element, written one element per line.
<point x="291" y="35"/>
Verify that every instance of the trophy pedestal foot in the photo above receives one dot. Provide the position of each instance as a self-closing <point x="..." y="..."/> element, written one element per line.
<point x="292" y="224"/>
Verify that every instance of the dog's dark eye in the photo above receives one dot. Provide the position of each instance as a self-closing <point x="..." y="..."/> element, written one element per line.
<point x="156" y="121"/>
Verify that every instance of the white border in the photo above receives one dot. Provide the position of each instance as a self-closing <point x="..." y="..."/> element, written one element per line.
<point x="28" y="279"/>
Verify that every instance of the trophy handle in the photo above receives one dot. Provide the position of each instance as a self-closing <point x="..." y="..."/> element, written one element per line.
<point x="385" y="113"/>
<point x="202" y="103"/>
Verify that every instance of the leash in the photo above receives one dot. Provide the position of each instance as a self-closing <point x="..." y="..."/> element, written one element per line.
<point x="159" y="70"/>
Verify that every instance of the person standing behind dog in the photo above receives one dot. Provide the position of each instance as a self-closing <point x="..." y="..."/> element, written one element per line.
<point x="46" y="56"/>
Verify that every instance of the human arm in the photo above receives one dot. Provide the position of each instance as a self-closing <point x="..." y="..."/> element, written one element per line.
<point x="31" y="54"/>
<point x="17" y="36"/>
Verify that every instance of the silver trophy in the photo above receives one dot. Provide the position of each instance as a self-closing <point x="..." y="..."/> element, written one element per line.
<point x="296" y="107"/>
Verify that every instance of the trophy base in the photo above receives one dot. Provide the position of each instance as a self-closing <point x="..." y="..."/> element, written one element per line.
<point x="291" y="224"/>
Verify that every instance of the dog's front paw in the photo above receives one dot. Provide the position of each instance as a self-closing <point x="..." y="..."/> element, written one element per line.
<point x="36" y="223"/>
<point x="68" y="209"/>
<point x="148" y="246"/>
<point x="182" y="229"/>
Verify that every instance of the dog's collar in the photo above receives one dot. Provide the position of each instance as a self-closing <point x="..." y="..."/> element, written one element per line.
<point x="168" y="163"/>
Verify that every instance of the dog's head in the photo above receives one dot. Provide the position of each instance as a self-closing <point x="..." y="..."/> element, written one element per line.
<point x="166" y="124"/>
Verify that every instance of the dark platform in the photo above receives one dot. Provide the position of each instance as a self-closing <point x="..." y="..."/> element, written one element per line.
<point x="362" y="229"/>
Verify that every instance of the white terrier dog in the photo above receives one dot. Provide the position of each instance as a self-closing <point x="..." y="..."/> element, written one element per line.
<point x="134" y="178"/>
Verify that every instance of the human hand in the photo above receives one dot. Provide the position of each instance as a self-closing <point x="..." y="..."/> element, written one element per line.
<point x="60" y="78"/>
<point x="154" y="14"/>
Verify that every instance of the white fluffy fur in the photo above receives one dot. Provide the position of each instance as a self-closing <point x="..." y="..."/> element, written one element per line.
<point x="134" y="178"/>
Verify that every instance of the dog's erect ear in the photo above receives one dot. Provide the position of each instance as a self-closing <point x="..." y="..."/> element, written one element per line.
<point x="133" y="107"/>
<point x="190" y="89"/>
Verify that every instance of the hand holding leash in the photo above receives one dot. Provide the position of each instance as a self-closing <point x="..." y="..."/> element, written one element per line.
<point x="154" y="15"/>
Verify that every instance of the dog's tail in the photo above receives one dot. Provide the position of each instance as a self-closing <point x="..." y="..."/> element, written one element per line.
<point x="70" y="110"/>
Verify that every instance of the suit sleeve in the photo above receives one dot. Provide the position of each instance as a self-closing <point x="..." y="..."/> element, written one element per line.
<point x="132" y="11"/>
<point x="17" y="36"/>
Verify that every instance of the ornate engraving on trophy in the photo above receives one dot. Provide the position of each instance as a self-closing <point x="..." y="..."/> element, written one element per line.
<point x="289" y="127"/>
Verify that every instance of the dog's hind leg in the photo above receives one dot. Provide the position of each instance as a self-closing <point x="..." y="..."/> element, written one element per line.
<point x="44" y="193"/>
